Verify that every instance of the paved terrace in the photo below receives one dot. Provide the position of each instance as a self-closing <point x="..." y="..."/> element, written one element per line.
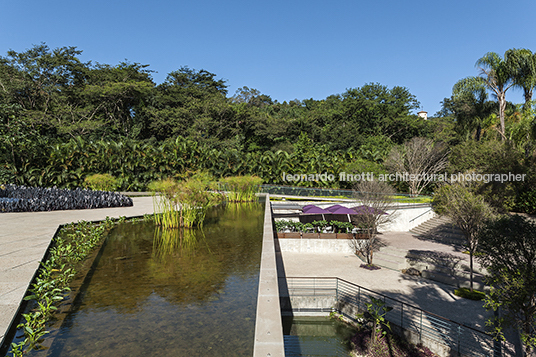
<point x="24" y="239"/>
<point x="426" y="294"/>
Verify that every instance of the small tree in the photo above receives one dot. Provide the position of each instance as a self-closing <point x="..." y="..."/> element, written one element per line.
<point x="508" y="247"/>
<point x="467" y="210"/>
<point x="419" y="157"/>
<point x="376" y="311"/>
<point x="378" y="198"/>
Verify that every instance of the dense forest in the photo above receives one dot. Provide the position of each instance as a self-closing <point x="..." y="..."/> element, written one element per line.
<point x="62" y="119"/>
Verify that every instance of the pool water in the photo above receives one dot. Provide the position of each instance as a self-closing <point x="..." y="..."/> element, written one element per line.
<point x="316" y="336"/>
<point x="172" y="293"/>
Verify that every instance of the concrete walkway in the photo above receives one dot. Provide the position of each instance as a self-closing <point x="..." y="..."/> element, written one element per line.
<point x="24" y="239"/>
<point x="426" y="294"/>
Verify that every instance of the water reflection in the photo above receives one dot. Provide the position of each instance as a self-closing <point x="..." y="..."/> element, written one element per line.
<point x="187" y="292"/>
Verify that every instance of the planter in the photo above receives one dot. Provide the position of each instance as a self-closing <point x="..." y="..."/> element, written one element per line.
<point x="327" y="235"/>
<point x="295" y="235"/>
<point x="310" y="235"/>
<point x="344" y="236"/>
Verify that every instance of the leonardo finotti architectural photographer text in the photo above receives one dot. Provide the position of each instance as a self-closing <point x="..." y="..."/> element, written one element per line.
<point x="405" y="177"/>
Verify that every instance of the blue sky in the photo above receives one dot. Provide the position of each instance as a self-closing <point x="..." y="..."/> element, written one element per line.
<point x="286" y="49"/>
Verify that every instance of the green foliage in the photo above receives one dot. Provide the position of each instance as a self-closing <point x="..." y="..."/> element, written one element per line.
<point x="376" y="311"/>
<point x="468" y="294"/>
<point x="490" y="157"/>
<point x="184" y="203"/>
<point x="508" y="245"/>
<point x="72" y="245"/>
<point x="526" y="202"/>
<point x="101" y="182"/>
<point x="468" y="211"/>
<point x="241" y="188"/>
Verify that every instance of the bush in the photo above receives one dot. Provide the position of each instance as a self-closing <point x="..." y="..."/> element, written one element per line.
<point x="101" y="182"/>
<point x="468" y="294"/>
<point x="526" y="202"/>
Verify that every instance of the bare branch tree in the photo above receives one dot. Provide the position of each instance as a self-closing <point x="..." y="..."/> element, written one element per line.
<point x="419" y="159"/>
<point x="378" y="209"/>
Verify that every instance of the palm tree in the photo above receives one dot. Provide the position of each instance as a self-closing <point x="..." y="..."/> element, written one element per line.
<point x="523" y="62"/>
<point x="498" y="75"/>
<point x="470" y="99"/>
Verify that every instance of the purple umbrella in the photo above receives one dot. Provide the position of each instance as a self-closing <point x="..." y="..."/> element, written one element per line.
<point x="312" y="209"/>
<point x="341" y="210"/>
<point x="338" y="209"/>
<point x="308" y="207"/>
<point x="368" y="210"/>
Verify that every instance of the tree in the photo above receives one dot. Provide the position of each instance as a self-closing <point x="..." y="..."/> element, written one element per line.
<point x="508" y="247"/>
<point x="498" y="75"/>
<point x="377" y="197"/>
<point x="470" y="105"/>
<point x="490" y="156"/>
<point x="189" y="103"/>
<point x="467" y="210"/>
<point x="523" y="63"/>
<point x="419" y="157"/>
<point x="252" y="97"/>
<point x="113" y="96"/>
<point x="375" y="109"/>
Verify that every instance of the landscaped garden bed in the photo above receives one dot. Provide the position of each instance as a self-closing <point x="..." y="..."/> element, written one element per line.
<point x="14" y="198"/>
<point x="319" y="230"/>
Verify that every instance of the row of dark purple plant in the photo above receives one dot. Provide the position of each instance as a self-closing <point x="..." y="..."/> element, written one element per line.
<point x="14" y="198"/>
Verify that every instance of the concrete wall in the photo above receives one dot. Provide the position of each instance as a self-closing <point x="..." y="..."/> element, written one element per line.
<point x="406" y="219"/>
<point x="268" y="326"/>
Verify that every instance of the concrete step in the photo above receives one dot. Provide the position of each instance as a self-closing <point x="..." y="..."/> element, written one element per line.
<point x="439" y="229"/>
<point x="451" y="280"/>
<point x="458" y="273"/>
<point x="394" y="251"/>
<point x="391" y="258"/>
<point x="443" y="261"/>
<point x="388" y="262"/>
<point x="446" y="268"/>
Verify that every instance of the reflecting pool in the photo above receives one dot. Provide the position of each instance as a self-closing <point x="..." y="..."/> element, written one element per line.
<point x="172" y="293"/>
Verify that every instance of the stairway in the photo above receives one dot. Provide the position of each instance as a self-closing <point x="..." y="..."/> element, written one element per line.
<point x="445" y="268"/>
<point x="390" y="258"/>
<point x="439" y="229"/>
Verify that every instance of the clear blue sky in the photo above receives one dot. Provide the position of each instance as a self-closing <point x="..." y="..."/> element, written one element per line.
<point x="286" y="49"/>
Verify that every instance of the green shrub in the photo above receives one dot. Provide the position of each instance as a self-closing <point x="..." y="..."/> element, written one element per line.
<point x="526" y="202"/>
<point x="101" y="182"/>
<point x="468" y="294"/>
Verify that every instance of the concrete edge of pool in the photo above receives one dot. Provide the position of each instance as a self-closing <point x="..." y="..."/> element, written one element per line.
<point x="268" y="325"/>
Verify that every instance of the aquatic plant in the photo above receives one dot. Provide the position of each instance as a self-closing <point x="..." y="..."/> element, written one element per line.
<point x="165" y="203"/>
<point x="182" y="204"/>
<point x="15" y="198"/>
<point x="241" y="188"/>
<point x="51" y="285"/>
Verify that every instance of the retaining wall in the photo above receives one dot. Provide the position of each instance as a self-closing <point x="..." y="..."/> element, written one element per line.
<point x="268" y="325"/>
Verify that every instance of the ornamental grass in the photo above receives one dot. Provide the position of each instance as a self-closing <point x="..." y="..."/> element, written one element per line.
<point x="241" y="188"/>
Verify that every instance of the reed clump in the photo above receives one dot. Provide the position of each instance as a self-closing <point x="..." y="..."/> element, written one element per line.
<point x="183" y="203"/>
<point x="241" y="188"/>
